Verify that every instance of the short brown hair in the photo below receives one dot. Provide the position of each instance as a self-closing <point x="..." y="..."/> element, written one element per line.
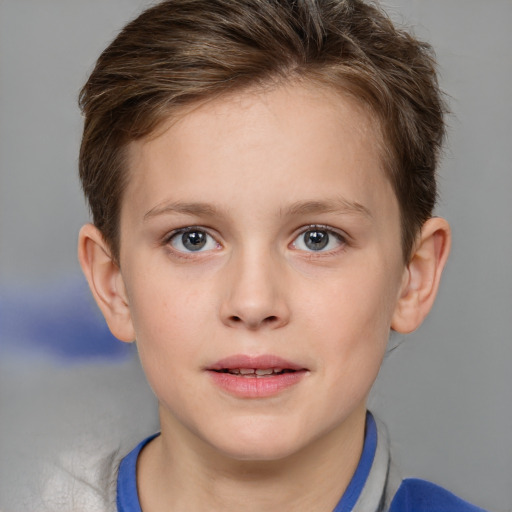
<point x="179" y="52"/>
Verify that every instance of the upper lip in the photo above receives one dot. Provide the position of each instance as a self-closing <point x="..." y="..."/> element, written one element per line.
<point x="261" y="362"/>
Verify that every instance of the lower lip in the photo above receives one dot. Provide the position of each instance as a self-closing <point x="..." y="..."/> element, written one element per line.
<point x="256" y="387"/>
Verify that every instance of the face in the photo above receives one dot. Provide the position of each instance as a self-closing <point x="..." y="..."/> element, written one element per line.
<point x="261" y="261"/>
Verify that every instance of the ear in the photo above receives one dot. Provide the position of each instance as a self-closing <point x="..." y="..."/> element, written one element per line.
<point x="422" y="276"/>
<point x="105" y="281"/>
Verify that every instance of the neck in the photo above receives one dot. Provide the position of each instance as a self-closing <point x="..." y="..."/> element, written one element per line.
<point x="179" y="475"/>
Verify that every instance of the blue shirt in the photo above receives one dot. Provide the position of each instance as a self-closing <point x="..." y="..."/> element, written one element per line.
<point x="372" y="476"/>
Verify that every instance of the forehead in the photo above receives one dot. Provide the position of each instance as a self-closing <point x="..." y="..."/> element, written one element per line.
<point x="286" y="141"/>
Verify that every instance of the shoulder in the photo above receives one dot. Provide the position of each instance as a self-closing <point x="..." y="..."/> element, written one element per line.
<point x="415" y="495"/>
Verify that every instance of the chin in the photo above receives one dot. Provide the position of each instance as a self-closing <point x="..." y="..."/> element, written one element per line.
<point x="258" y="444"/>
<point x="258" y="452"/>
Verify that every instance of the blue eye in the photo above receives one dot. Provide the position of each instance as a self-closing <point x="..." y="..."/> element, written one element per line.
<point x="192" y="240"/>
<point x="318" y="239"/>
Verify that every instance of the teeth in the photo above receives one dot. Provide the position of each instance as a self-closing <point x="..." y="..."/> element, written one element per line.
<point x="251" y="372"/>
<point x="264" y="372"/>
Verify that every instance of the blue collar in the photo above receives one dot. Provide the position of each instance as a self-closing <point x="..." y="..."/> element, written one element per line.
<point x="353" y="491"/>
<point x="128" y="497"/>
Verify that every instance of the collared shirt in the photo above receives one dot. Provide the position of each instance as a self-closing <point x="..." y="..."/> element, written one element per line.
<point x="376" y="486"/>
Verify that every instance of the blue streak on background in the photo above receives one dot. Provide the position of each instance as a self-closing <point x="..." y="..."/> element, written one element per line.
<point x="59" y="321"/>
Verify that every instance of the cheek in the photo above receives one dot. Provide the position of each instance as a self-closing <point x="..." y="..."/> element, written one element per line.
<point x="357" y="341"/>
<point x="170" y="320"/>
<point x="355" y="305"/>
<point x="162" y="300"/>
<point x="348" y="321"/>
<point x="170" y="339"/>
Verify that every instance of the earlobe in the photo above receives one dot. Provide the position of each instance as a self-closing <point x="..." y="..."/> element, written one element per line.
<point x="105" y="281"/>
<point x="422" y="276"/>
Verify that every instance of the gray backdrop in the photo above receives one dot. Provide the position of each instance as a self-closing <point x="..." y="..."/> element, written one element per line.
<point x="445" y="393"/>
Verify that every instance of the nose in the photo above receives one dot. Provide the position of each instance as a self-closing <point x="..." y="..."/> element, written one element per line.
<point x="255" y="293"/>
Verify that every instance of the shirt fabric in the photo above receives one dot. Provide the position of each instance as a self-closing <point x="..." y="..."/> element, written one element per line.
<point x="375" y="487"/>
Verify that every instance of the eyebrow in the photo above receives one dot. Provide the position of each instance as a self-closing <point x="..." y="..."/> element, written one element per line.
<point x="338" y="205"/>
<point x="198" y="209"/>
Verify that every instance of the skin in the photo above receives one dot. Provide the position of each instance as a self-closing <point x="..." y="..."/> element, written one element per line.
<point x="253" y="173"/>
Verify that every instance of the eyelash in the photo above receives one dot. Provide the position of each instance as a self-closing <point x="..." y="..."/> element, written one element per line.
<point x="329" y="231"/>
<point x="174" y="235"/>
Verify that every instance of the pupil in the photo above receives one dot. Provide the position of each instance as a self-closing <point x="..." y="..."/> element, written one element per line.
<point x="316" y="240"/>
<point x="194" y="240"/>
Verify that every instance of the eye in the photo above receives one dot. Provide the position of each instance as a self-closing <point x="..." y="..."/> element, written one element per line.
<point x="192" y="240"/>
<point x="318" y="239"/>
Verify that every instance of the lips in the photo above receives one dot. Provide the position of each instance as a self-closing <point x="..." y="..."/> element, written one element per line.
<point x="263" y="362"/>
<point x="255" y="377"/>
<point x="255" y="372"/>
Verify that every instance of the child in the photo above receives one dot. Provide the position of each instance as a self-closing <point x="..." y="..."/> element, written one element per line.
<point x="261" y="175"/>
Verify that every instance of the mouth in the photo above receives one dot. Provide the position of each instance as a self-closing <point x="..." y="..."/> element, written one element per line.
<point x="255" y="377"/>
<point x="255" y="373"/>
<point x="255" y="366"/>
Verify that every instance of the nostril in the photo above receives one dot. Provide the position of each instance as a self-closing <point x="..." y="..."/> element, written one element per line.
<point x="272" y="319"/>
<point x="253" y="320"/>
